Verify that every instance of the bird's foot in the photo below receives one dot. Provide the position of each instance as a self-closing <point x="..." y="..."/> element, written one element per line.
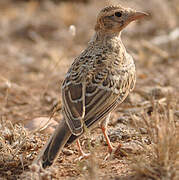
<point x="82" y="156"/>
<point x="115" y="152"/>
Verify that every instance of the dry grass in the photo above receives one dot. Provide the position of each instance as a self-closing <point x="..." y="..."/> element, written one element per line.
<point x="33" y="63"/>
<point x="160" y="160"/>
<point x="17" y="148"/>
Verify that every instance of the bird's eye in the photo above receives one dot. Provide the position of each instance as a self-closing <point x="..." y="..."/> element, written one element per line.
<point x="118" y="14"/>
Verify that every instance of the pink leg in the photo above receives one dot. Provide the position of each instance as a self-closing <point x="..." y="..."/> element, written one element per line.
<point x="81" y="152"/>
<point x="104" y="124"/>
<point x="111" y="149"/>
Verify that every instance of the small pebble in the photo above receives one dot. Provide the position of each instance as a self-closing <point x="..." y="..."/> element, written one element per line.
<point x="67" y="152"/>
<point x="39" y="123"/>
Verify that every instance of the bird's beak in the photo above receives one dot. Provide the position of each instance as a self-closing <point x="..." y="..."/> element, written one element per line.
<point x="137" y="15"/>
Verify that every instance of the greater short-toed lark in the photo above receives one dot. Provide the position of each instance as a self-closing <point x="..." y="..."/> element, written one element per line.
<point x="99" y="79"/>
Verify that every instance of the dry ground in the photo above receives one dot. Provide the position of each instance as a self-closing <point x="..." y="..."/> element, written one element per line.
<point x="38" y="42"/>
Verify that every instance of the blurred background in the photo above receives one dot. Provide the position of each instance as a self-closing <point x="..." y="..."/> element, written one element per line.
<point x="39" y="40"/>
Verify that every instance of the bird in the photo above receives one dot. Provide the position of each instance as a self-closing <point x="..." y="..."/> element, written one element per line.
<point x="99" y="79"/>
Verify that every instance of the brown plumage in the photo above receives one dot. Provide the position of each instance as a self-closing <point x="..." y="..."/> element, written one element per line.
<point x="99" y="79"/>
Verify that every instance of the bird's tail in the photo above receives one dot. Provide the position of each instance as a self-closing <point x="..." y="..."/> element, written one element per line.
<point x="61" y="137"/>
<point x="54" y="145"/>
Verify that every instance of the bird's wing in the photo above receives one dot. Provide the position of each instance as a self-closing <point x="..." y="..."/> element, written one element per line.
<point x="101" y="97"/>
<point x="73" y="107"/>
<point x="93" y="85"/>
<point x="100" y="102"/>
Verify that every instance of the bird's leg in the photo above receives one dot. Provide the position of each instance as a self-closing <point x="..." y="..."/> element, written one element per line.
<point x="103" y="125"/>
<point x="112" y="151"/>
<point x="81" y="152"/>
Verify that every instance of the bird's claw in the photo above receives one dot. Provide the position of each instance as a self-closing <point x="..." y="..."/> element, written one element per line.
<point x="83" y="156"/>
<point x="115" y="152"/>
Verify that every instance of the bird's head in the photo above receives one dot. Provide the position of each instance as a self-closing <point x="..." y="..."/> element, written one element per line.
<point x="115" y="18"/>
